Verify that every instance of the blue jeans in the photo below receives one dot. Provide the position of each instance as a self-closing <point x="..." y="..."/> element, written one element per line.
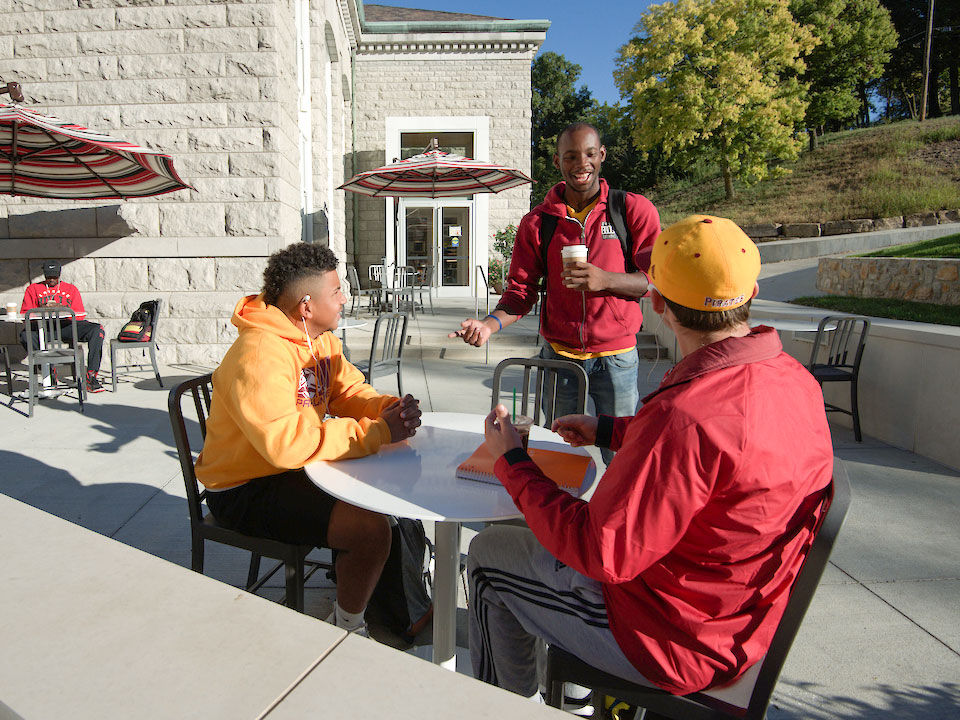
<point x="613" y="386"/>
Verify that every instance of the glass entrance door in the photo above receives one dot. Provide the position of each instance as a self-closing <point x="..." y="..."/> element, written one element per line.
<point x="454" y="246"/>
<point x="436" y="242"/>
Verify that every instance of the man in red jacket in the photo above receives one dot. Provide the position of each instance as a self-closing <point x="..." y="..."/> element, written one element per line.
<point x="591" y="314"/>
<point x="677" y="571"/>
<point x="53" y="291"/>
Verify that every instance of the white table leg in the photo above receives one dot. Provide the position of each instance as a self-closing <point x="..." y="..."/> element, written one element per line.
<point x="446" y="568"/>
<point x="44" y="368"/>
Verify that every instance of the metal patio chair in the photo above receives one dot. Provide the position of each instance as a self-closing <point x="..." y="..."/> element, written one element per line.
<point x="386" y="349"/>
<point x="53" y="350"/>
<point x="836" y="355"/>
<point x="143" y="346"/>
<point x="293" y="558"/>
<point x="538" y="386"/>
<point x="357" y="293"/>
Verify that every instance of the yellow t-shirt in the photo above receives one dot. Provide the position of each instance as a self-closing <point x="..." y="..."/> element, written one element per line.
<point x="562" y="350"/>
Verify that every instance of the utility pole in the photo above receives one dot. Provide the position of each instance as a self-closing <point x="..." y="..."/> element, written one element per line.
<point x="926" y="63"/>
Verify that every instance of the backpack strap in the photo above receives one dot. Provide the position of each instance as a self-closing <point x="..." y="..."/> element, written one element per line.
<point x="617" y="210"/>
<point x="548" y="226"/>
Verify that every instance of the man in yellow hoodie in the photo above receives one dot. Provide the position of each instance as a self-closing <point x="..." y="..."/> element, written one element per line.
<point x="280" y="379"/>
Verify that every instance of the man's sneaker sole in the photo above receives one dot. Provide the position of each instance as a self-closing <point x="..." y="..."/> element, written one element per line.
<point x="94" y="386"/>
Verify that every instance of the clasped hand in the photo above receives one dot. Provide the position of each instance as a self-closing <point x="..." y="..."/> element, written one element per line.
<point x="403" y="418"/>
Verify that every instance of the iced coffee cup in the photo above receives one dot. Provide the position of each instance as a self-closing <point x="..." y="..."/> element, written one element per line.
<point x="522" y="424"/>
<point x="573" y="253"/>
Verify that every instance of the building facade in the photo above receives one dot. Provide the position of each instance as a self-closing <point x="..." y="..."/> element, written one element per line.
<point x="266" y="107"/>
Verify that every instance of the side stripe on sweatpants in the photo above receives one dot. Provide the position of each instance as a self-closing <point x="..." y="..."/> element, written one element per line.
<point x="531" y="591"/>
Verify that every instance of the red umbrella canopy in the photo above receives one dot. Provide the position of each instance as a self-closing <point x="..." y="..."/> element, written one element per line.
<point x="43" y="156"/>
<point x="434" y="174"/>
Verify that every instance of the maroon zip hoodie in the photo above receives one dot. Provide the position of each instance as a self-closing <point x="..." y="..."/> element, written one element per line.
<point x="582" y="321"/>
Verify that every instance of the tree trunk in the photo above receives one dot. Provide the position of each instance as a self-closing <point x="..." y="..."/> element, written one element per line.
<point x="864" y="104"/>
<point x="933" y="95"/>
<point x="728" y="182"/>
<point x="812" y="134"/>
<point x="954" y="89"/>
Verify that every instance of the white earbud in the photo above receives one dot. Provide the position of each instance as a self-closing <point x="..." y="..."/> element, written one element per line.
<point x="304" y="299"/>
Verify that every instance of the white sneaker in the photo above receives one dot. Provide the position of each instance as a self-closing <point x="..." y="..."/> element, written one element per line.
<point x="360" y="630"/>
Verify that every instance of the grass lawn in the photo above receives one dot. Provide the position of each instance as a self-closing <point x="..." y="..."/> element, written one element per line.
<point x="883" y="308"/>
<point x="945" y="247"/>
<point x="877" y="172"/>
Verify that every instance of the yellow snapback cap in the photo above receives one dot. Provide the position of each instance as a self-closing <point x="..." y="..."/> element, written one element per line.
<point x="705" y="263"/>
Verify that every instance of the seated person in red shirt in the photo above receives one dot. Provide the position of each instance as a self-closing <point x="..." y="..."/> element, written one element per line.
<point x="53" y="291"/>
<point x="677" y="571"/>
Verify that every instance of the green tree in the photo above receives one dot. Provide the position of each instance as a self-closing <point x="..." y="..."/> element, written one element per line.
<point x="855" y="39"/>
<point x="556" y="103"/>
<point x="721" y="78"/>
<point x="902" y="79"/>
<point x="626" y="166"/>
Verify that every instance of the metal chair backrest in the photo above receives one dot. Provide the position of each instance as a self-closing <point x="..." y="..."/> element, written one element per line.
<point x="49" y="321"/>
<point x="426" y="277"/>
<point x="836" y="500"/>
<point x="404" y="276"/>
<point x="156" y="321"/>
<point x="538" y="389"/>
<point x="354" y="280"/>
<point x="389" y="337"/>
<point x="200" y="391"/>
<point x="376" y="275"/>
<point x="842" y="346"/>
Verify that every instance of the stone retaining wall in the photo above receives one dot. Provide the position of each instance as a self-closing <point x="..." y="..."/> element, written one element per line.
<point x="921" y="280"/>
<point x="764" y="231"/>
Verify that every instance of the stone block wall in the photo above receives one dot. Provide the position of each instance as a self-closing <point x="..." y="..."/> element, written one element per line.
<point x="212" y="84"/>
<point x="331" y="92"/>
<point x="916" y="279"/>
<point x="780" y="231"/>
<point x="454" y="85"/>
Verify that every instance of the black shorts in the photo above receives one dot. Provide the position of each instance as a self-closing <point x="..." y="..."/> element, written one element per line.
<point x="287" y="507"/>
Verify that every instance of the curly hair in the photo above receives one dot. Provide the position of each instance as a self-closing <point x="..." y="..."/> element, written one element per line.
<point x="293" y="263"/>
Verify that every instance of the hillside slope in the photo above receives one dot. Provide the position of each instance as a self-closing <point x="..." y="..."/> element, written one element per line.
<point x="883" y="171"/>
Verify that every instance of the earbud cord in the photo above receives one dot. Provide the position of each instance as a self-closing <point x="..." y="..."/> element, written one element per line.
<point x="316" y="362"/>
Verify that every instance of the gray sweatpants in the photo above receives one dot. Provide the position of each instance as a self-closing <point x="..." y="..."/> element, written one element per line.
<point x="521" y="596"/>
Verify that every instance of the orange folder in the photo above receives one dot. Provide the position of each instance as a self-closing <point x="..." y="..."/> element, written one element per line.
<point x="567" y="470"/>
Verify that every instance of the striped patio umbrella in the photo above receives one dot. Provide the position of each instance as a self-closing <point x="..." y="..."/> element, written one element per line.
<point x="43" y="156"/>
<point x="434" y="174"/>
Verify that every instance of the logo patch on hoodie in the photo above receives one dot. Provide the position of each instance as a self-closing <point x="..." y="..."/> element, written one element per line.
<point x="606" y="231"/>
<point x="314" y="386"/>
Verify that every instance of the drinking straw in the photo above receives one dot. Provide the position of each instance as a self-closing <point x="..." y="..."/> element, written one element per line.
<point x="514" y="405"/>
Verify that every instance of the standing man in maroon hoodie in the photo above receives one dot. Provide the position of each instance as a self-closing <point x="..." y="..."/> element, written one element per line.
<point x="590" y="314"/>
<point x="53" y="291"/>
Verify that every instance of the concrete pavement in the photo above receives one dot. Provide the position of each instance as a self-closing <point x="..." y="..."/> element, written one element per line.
<point x="881" y="638"/>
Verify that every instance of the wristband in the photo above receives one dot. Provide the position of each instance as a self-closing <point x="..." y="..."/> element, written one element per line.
<point x="498" y="321"/>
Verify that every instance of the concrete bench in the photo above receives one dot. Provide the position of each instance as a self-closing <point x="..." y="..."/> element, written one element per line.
<point x="92" y="628"/>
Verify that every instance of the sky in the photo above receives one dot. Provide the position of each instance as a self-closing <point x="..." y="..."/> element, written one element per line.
<point x="586" y="33"/>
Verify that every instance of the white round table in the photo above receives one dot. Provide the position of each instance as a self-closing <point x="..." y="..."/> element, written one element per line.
<point x="417" y="479"/>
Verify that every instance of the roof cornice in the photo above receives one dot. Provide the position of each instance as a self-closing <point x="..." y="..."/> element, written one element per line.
<point x="510" y="43"/>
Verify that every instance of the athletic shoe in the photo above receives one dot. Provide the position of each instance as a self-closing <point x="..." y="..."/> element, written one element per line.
<point x="93" y="384"/>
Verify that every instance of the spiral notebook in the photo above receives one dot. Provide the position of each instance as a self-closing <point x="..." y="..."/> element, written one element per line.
<point x="567" y="470"/>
